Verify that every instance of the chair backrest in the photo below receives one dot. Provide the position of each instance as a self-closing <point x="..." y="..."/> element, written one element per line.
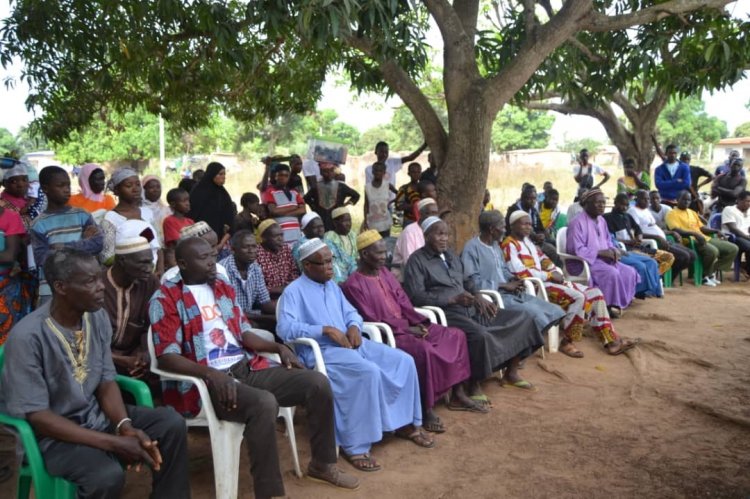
<point x="714" y="221"/>
<point x="562" y="240"/>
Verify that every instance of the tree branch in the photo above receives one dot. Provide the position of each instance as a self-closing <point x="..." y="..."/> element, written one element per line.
<point x="399" y="81"/>
<point x="514" y="75"/>
<point x="596" y="21"/>
<point x="468" y="11"/>
<point x="584" y="50"/>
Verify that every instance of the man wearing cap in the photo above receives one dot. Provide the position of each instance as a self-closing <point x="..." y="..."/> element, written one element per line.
<point x="375" y="387"/>
<point x="128" y="286"/>
<point x="440" y="353"/>
<point x="342" y="242"/>
<point x="484" y="264"/>
<point x="312" y="227"/>
<point x="275" y="258"/>
<point x="204" y="231"/>
<point x="247" y="280"/>
<point x="199" y="330"/>
<point x="528" y="204"/>
<point x="329" y="194"/>
<point x="588" y="238"/>
<point x="497" y="338"/>
<point x="412" y="237"/>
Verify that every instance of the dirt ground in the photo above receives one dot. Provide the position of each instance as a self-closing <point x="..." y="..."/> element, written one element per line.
<point x="670" y="418"/>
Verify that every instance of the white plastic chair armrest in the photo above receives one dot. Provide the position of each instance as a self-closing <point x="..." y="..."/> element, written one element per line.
<point x="320" y="365"/>
<point x="537" y="285"/>
<point x="440" y="314"/>
<point x="268" y="336"/>
<point x="493" y="296"/>
<point x="384" y="329"/>
<point x="651" y="243"/>
<point x="584" y="272"/>
<point x="371" y="331"/>
<point x="432" y="316"/>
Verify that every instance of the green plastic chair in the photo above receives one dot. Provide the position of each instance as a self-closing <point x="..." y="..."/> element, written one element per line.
<point x="33" y="470"/>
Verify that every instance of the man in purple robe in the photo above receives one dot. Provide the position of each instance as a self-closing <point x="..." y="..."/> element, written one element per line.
<point x="588" y="238"/>
<point x="440" y="353"/>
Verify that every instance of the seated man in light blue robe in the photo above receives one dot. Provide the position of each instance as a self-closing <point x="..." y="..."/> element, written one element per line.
<point x="485" y="265"/>
<point x="375" y="387"/>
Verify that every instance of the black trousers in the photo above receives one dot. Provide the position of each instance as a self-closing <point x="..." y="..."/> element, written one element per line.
<point x="258" y="399"/>
<point x="744" y="246"/>
<point x="99" y="475"/>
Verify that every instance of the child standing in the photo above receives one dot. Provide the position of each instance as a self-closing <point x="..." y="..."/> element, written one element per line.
<point x="249" y="217"/>
<point x="179" y="202"/>
<point x="377" y="216"/>
<point x="60" y="225"/>
<point x="408" y="194"/>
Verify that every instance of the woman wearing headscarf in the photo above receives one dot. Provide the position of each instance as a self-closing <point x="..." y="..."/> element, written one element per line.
<point x="92" y="198"/>
<point x="129" y="218"/>
<point x="210" y="202"/>
<point x="152" y="200"/>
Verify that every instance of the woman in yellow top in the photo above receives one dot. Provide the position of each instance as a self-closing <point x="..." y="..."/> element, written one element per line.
<point x="634" y="180"/>
<point x="92" y="197"/>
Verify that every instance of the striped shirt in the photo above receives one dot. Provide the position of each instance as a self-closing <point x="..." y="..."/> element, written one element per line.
<point x="61" y="227"/>
<point x="249" y="291"/>
<point x="289" y="224"/>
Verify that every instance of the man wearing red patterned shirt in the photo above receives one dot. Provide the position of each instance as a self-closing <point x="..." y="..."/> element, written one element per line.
<point x="188" y="315"/>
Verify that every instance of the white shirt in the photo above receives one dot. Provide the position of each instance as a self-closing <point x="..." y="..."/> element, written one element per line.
<point x="731" y="214"/>
<point x="672" y="167"/>
<point x="660" y="216"/>
<point x="173" y="271"/>
<point x="645" y="219"/>
<point x="392" y="167"/>
<point x="221" y="347"/>
<point x="584" y="170"/>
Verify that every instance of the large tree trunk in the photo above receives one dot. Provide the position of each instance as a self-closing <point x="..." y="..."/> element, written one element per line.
<point x="464" y="169"/>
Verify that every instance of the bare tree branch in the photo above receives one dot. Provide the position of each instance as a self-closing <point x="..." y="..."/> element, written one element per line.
<point x="584" y="50"/>
<point x="596" y="21"/>
<point x="514" y="75"/>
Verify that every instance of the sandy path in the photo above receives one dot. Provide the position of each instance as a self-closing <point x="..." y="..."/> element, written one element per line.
<point x="669" y="419"/>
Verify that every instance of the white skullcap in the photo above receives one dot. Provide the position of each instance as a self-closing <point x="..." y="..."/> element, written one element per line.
<point x="517" y="215"/>
<point x="309" y="248"/>
<point x="309" y="217"/>
<point x="341" y="211"/>
<point x="18" y="170"/>
<point x="126" y="246"/>
<point x="425" y="202"/>
<point x="198" y="229"/>
<point x="135" y="228"/>
<point x="429" y="222"/>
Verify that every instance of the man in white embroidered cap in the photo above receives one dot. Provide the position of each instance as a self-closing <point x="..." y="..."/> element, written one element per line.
<point x="128" y="286"/>
<point x="59" y="376"/>
<point x="375" y="387"/>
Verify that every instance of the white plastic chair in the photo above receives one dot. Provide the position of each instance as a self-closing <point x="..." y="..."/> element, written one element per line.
<point x="585" y="276"/>
<point x="226" y="436"/>
<point x="534" y="287"/>
<point x="320" y="364"/>
<point x="430" y="314"/>
<point x="376" y="330"/>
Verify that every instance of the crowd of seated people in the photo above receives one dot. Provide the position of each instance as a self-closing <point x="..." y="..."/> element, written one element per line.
<point x="84" y="277"/>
